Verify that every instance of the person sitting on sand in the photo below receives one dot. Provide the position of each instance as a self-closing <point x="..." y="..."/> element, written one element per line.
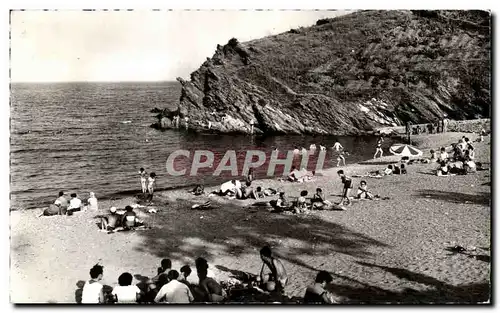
<point x="112" y="221"/>
<point x="469" y="153"/>
<point x="129" y="219"/>
<point x="185" y="272"/>
<point x="209" y="290"/>
<point x="165" y="267"/>
<point x="143" y="177"/>
<point x="469" y="166"/>
<point x="75" y="204"/>
<point x="125" y="292"/>
<point x="434" y="156"/>
<point x="458" y="154"/>
<point x="92" y="202"/>
<point x="174" y="291"/>
<point x="301" y="204"/>
<point x="346" y="187"/>
<point x="93" y="289"/>
<point x="319" y="201"/>
<point x="443" y="169"/>
<point x="282" y="203"/>
<point x="293" y="175"/>
<point x="277" y="279"/>
<point x="198" y="190"/>
<point x="363" y="192"/>
<point x="62" y="203"/>
<point x="316" y="293"/>
<point x="443" y="156"/>
<point x="248" y="192"/>
<point x="462" y="143"/>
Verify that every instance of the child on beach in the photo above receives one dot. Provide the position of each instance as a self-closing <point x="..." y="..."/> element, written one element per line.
<point x="151" y="185"/>
<point x="316" y="293"/>
<point x="301" y="204"/>
<point x="277" y="279"/>
<point x="93" y="289"/>
<point x="346" y="187"/>
<point x="125" y="292"/>
<point x="144" y="176"/>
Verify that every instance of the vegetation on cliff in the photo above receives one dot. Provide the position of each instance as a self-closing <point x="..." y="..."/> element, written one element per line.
<point x="346" y="75"/>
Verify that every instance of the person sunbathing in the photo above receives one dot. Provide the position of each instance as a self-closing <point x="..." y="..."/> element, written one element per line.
<point x="229" y="188"/>
<point x="300" y="205"/>
<point x="379" y="174"/>
<point x="277" y="279"/>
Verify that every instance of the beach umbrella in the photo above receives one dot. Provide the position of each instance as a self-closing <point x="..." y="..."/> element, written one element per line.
<point x="405" y="150"/>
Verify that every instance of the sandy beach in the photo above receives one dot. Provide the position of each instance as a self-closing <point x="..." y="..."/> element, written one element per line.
<point x="377" y="251"/>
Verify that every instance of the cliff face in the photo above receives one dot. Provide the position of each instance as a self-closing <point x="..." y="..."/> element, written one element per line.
<point x="346" y="75"/>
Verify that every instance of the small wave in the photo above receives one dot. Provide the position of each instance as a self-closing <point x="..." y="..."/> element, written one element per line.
<point x="126" y="122"/>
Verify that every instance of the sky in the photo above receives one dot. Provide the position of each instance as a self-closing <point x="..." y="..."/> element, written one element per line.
<point x="59" y="46"/>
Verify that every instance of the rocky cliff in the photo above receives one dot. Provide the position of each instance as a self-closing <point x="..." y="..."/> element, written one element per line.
<point x="346" y="75"/>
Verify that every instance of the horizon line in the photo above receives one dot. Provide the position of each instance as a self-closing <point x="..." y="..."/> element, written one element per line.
<point x="93" y="81"/>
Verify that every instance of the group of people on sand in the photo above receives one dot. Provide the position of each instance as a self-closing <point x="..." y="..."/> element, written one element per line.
<point x="172" y="286"/>
<point x="64" y="206"/>
<point x="120" y="220"/>
<point x="461" y="162"/>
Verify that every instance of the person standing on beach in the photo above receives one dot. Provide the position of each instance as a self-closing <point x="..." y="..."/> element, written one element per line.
<point x="144" y="176"/>
<point x="379" y="148"/>
<point x="151" y="185"/>
<point x="347" y="187"/>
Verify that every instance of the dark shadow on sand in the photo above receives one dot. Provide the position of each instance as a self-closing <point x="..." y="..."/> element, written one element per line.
<point x="482" y="198"/>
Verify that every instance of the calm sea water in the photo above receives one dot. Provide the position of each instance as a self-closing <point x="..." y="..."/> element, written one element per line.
<point x="82" y="137"/>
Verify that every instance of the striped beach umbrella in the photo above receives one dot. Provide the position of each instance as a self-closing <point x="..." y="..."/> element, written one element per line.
<point x="405" y="150"/>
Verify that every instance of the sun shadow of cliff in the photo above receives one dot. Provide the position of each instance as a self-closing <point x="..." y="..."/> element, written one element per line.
<point x="235" y="230"/>
<point x="482" y="198"/>
<point x="436" y="292"/>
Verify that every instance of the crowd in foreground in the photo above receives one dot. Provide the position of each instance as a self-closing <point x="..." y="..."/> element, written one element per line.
<point x="172" y="286"/>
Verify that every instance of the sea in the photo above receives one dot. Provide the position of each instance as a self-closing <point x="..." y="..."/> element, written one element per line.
<point x="83" y="137"/>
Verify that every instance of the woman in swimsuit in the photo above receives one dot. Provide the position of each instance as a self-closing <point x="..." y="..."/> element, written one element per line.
<point x="151" y="185"/>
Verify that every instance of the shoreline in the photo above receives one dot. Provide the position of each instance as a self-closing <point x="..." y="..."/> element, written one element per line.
<point x="131" y="195"/>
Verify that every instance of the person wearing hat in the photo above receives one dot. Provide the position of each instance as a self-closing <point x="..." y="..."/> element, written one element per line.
<point x="112" y="221"/>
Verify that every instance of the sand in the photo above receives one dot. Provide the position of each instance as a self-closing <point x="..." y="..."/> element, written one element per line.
<point x="378" y="251"/>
